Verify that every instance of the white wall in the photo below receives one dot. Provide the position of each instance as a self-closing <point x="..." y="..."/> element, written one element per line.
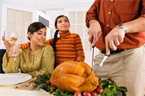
<point x="51" y="4"/>
<point x="51" y="9"/>
<point x="1" y="4"/>
<point x="4" y="6"/>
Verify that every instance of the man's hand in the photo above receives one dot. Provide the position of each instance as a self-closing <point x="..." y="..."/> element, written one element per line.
<point x="95" y="32"/>
<point x="114" y="38"/>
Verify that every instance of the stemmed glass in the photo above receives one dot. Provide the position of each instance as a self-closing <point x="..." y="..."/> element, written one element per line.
<point x="11" y="43"/>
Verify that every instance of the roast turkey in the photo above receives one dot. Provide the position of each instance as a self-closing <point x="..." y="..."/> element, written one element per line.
<point x="74" y="76"/>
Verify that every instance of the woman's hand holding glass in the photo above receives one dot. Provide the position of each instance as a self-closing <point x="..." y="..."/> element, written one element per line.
<point x="11" y="44"/>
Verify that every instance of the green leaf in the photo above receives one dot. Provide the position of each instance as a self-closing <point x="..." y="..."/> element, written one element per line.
<point x="58" y="92"/>
<point x="111" y="89"/>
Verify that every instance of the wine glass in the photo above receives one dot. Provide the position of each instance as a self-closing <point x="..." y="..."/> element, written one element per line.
<point x="12" y="43"/>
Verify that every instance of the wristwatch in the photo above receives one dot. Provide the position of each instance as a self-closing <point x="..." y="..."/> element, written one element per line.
<point x="123" y="28"/>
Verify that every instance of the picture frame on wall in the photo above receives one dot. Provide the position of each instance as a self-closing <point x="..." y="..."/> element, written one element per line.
<point x="44" y="21"/>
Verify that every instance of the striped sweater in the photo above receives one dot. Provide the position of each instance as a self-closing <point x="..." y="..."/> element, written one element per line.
<point x="68" y="47"/>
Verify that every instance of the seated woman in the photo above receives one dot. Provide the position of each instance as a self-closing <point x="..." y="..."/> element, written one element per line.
<point x="68" y="45"/>
<point x="36" y="59"/>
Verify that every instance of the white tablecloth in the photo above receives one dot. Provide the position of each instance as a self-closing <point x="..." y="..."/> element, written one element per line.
<point x="11" y="91"/>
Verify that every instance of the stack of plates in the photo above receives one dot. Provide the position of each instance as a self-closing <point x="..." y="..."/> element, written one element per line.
<point x="13" y="78"/>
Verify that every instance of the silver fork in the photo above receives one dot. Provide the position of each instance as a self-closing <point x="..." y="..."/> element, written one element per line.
<point x="100" y="58"/>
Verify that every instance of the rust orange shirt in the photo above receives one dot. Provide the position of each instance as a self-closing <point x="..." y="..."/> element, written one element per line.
<point x="113" y="12"/>
<point x="68" y="47"/>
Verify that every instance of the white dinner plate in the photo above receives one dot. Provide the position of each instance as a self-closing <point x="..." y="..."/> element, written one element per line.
<point x="13" y="78"/>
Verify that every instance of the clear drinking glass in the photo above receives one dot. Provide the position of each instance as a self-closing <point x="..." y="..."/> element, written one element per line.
<point x="12" y="40"/>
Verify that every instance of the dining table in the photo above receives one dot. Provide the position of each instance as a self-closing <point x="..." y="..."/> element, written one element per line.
<point x="12" y="91"/>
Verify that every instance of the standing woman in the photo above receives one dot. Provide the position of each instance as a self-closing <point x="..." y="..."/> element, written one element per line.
<point x="68" y="45"/>
<point x="36" y="59"/>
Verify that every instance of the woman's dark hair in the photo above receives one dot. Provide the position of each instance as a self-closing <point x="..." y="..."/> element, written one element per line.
<point x="54" y="40"/>
<point x="56" y="32"/>
<point x="34" y="27"/>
